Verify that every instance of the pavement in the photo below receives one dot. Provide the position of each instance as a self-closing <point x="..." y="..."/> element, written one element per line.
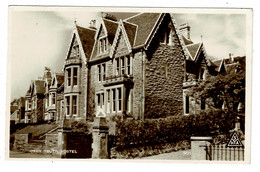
<point x="15" y="154"/>
<point x="179" y="155"/>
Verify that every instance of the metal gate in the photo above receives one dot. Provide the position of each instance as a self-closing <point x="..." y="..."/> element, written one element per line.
<point x="79" y="145"/>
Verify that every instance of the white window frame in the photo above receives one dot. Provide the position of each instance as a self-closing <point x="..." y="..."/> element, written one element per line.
<point x="71" y="104"/>
<point x="102" y="45"/>
<point x="101" y="72"/>
<point x="116" y="100"/>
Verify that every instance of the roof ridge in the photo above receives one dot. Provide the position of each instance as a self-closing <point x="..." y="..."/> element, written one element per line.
<point x="130" y="23"/>
<point x="194" y="44"/>
<point x="133" y="16"/>
<point x="110" y="20"/>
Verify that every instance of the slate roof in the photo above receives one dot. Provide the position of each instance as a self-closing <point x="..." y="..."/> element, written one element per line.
<point x="146" y="22"/>
<point x="87" y="38"/>
<point x="130" y="31"/>
<point x="111" y="26"/>
<point x="39" y="86"/>
<point x="60" y="79"/>
<point x="186" y="41"/>
<point x="61" y="88"/>
<point x="13" y="108"/>
<point x="193" y="49"/>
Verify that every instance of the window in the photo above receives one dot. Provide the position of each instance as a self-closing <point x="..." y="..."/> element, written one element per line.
<point x="75" y="76"/>
<point x="166" y="70"/>
<point x="166" y="37"/>
<point x="117" y="66"/>
<point x="69" y="77"/>
<point x="119" y="98"/>
<point x="128" y="68"/>
<point x="127" y="103"/>
<point x="101" y="72"/>
<point x="114" y="99"/>
<point x="53" y="98"/>
<point x="29" y="104"/>
<point x="187" y="105"/>
<point x="108" y="101"/>
<point x="74" y="105"/>
<point x="102" y="45"/>
<point x="122" y="65"/>
<point x="202" y="105"/>
<point x="98" y="100"/>
<point x="202" y="71"/>
<point x="68" y="105"/>
<point x="104" y="71"/>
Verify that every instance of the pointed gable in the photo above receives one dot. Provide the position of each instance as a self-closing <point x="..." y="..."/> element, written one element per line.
<point x="121" y="45"/>
<point x="193" y="49"/>
<point x="111" y="27"/>
<point x="106" y="30"/>
<point x="87" y="38"/>
<point x="74" y="48"/>
<point x="146" y="23"/>
<point x="81" y="44"/>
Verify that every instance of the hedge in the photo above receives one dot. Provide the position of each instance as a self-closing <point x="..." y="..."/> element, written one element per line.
<point x="136" y="133"/>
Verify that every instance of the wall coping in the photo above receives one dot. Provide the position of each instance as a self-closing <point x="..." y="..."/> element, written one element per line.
<point x="201" y="138"/>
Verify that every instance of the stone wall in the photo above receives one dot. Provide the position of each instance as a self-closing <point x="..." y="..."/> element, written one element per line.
<point x="51" y="144"/>
<point x="138" y="83"/>
<point x="83" y="92"/>
<point x="21" y="142"/>
<point x="164" y="78"/>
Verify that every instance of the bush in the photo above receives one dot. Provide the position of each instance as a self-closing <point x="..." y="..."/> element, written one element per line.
<point x="136" y="133"/>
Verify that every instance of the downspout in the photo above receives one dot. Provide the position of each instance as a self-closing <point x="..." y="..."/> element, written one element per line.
<point x="143" y="85"/>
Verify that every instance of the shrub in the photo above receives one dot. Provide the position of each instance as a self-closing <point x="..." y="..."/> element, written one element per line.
<point x="136" y="133"/>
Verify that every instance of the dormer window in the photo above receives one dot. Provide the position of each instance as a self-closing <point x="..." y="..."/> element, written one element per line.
<point x="102" y="44"/>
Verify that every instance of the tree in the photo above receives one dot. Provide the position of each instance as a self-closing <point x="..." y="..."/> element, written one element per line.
<point x="227" y="88"/>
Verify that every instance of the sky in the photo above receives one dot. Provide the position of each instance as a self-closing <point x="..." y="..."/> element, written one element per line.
<point x="41" y="38"/>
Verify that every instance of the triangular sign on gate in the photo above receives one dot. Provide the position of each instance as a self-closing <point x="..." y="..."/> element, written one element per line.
<point x="234" y="141"/>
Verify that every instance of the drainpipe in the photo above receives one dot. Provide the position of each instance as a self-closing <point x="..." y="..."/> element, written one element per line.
<point x="143" y="86"/>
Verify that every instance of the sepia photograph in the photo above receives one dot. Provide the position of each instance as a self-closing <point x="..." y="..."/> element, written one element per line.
<point x="141" y="84"/>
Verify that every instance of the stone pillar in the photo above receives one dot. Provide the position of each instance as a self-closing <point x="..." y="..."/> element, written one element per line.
<point x="63" y="131"/>
<point x="100" y="138"/>
<point x="198" y="147"/>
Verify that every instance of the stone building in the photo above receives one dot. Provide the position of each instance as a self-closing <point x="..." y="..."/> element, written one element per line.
<point x="197" y="67"/>
<point x="76" y="82"/>
<point x="133" y="67"/>
<point x="139" y="67"/>
<point x="34" y="102"/>
<point x="54" y="95"/>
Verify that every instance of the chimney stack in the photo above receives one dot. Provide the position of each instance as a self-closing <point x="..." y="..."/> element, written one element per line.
<point x="92" y="24"/>
<point x="185" y="30"/>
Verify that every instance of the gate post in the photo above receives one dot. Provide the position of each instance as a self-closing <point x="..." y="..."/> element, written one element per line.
<point x="198" y="147"/>
<point x="100" y="138"/>
<point x="63" y="131"/>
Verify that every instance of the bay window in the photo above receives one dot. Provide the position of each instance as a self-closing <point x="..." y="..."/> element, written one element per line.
<point x="71" y="105"/>
<point x="74" y="105"/>
<point x="75" y="76"/>
<point x="122" y="65"/>
<point x="69" y="77"/>
<point x="68" y="105"/>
